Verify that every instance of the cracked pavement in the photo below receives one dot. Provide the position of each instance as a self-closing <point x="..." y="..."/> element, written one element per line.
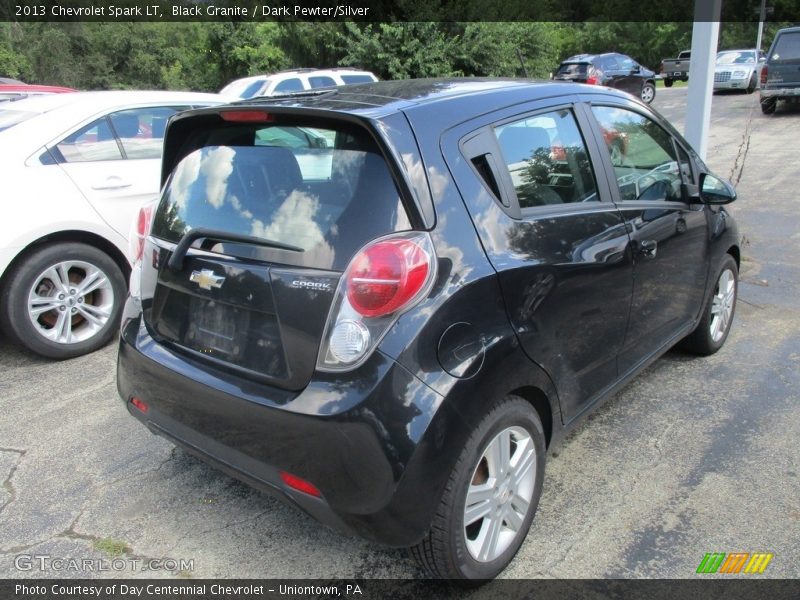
<point x="694" y="456"/>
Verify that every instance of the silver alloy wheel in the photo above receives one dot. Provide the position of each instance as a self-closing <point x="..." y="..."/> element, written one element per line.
<point x="70" y="302"/>
<point x="499" y="494"/>
<point x="722" y="304"/>
<point x="647" y="93"/>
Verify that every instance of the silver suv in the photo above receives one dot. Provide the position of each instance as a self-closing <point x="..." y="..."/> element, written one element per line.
<point x="297" y="80"/>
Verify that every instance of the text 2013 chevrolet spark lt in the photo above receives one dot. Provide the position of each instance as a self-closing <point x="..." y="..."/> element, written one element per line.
<point x="386" y="302"/>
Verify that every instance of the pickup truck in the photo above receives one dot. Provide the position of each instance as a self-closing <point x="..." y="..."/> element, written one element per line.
<point x="676" y="68"/>
<point x="780" y="75"/>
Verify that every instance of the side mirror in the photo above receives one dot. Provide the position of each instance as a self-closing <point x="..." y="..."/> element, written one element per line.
<point x="714" y="190"/>
<point x="636" y="69"/>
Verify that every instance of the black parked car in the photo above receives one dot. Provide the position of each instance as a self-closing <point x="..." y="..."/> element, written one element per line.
<point x="391" y="331"/>
<point x="611" y="69"/>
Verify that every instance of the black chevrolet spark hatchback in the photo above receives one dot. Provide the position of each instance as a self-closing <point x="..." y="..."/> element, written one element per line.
<point x="385" y="302"/>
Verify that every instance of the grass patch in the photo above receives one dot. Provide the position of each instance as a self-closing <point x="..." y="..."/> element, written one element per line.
<point x="675" y="84"/>
<point x="111" y="547"/>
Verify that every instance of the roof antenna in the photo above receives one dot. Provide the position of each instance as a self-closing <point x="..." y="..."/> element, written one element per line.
<point x="522" y="62"/>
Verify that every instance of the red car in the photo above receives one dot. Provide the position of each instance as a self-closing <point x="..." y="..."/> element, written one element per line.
<point x="17" y="91"/>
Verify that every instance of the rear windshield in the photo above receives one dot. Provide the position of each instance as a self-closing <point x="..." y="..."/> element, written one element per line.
<point x="9" y="118"/>
<point x="252" y="89"/>
<point x="324" y="191"/>
<point x="787" y="47"/>
<point x="572" y="69"/>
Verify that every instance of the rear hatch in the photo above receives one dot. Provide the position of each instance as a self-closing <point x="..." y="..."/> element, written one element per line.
<point x="572" y="71"/>
<point x="783" y="62"/>
<point x="268" y="213"/>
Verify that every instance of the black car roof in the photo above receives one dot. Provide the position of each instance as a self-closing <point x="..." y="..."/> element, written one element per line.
<point x="588" y="58"/>
<point x="377" y="99"/>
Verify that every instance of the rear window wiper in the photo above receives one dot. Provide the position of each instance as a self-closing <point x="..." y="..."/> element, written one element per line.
<point x="176" y="260"/>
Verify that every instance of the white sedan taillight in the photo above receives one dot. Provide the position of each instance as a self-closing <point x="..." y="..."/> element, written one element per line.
<point x="384" y="279"/>
<point x="139" y="231"/>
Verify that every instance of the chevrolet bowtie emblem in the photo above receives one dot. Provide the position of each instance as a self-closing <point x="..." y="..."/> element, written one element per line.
<point x="206" y="279"/>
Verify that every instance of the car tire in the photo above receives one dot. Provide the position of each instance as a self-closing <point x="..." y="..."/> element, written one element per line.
<point x="648" y="92"/>
<point x="769" y="105"/>
<point x="46" y="285"/>
<point x="714" y="326"/>
<point x="462" y="551"/>
<point x="668" y="82"/>
<point x="751" y="85"/>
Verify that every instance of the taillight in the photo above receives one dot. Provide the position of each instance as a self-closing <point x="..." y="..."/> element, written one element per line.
<point x="246" y="116"/>
<point x="140" y="231"/>
<point x="141" y="405"/>
<point x="764" y="72"/>
<point x="594" y="76"/>
<point x="385" y="278"/>
<point x="300" y="484"/>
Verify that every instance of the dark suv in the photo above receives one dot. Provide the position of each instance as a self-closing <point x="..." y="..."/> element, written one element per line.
<point x="611" y="69"/>
<point x="391" y="328"/>
<point x="780" y="76"/>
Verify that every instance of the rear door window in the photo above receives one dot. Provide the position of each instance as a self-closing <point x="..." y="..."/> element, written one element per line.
<point x="322" y="190"/>
<point x="321" y="81"/>
<point x="289" y="85"/>
<point x="95" y="141"/>
<point x="141" y="130"/>
<point x="357" y="79"/>
<point x="547" y="159"/>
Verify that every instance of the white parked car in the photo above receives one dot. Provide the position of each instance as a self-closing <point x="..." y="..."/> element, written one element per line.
<point x="738" y="70"/>
<point x="298" y="80"/>
<point x="76" y="169"/>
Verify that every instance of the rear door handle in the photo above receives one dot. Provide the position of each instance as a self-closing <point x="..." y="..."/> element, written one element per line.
<point x="648" y="248"/>
<point x="112" y="183"/>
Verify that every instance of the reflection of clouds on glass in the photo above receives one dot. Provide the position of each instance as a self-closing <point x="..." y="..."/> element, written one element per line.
<point x="185" y="175"/>
<point x="293" y="221"/>
<point x="243" y="212"/>
<point x="216" y="167"/>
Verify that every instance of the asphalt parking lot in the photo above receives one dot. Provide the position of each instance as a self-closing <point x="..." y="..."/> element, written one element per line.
<point x="695" y="456"/>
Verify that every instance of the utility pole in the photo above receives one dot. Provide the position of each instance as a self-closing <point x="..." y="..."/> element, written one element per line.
<point x="762" y="16"/>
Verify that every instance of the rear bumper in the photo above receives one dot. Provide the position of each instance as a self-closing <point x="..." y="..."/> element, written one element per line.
<point x="368" y="443"/>
<point x="781" y="92"/>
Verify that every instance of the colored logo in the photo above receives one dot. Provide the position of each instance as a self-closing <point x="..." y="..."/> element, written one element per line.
<point x="207" y="279"/>
<point x="736" y="562"/>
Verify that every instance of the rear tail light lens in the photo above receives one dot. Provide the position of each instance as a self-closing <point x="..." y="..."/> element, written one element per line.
<point x="383" y="280"/>
<point x="142" y="406"/>
<point x="593" y="76"/>
<point x="140" y="231"/>
<point x="764" y="73"/>
<point x="384" y="276"/>
<point x="299" y="484"/>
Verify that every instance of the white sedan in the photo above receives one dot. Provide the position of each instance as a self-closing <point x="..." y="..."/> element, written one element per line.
<point x="76" y="169"/>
